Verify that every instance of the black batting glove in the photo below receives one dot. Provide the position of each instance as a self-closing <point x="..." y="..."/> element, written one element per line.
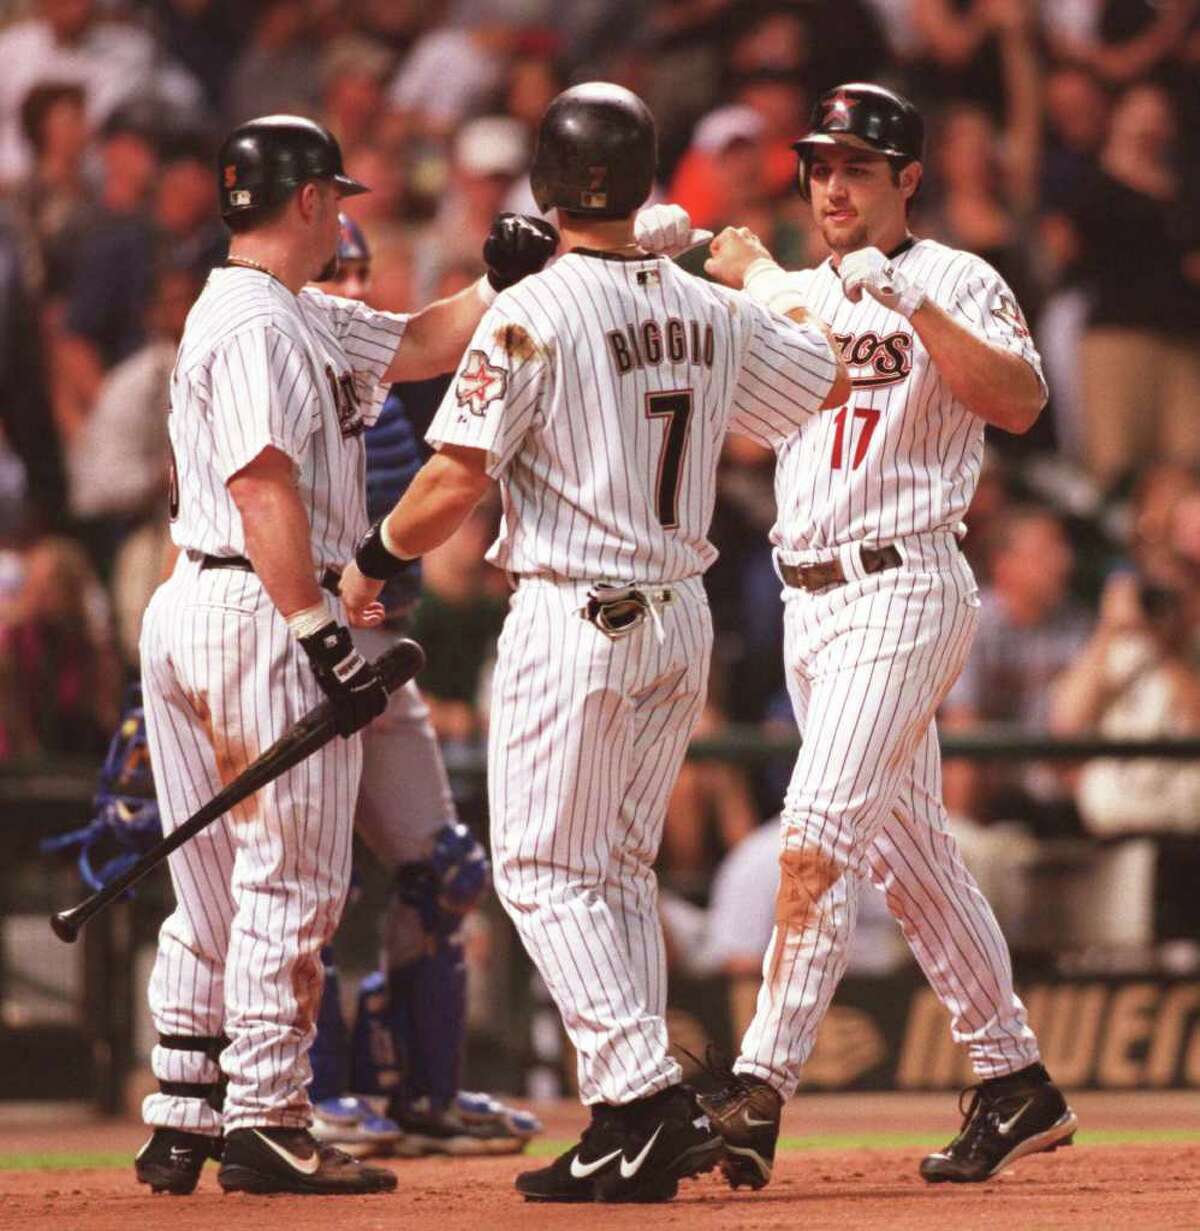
<point x="517" y="244"/>
<point x="350" y="682"/>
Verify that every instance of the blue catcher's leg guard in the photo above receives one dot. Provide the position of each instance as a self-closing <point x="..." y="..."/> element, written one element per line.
<point x="378" y="1057"/>
<point x="330" y="1050"/>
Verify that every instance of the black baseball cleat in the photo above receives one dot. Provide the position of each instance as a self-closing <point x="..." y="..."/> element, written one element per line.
<point x="171" y="1161"/>
<point x="291" y="1160"/>
<point x="745" y="1110"/>
<point x="572" y="1176"/>
<point x="668" y="1138"/>
<point x="1007" y="1118"/>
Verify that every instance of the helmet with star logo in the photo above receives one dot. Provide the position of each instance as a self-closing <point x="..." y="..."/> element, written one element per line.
<point x="867" y="116"/>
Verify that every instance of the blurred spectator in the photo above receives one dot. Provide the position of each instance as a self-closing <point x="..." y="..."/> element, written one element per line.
<point x="1120" y="40"/>
<point x="277" y="71"/>
<point x="59" y="675"/>
<point x="36" y="488"/>
<point x="722" y="173"/>
<point x="1076" y="113"/>
<point x="1139" y="678"/>
<point x="710" y="811"/>
<point x="203" y="36"/>
<point x="54" y="202"/>
<point x="449" y="75"/>
<point x="189" y="232"/>
<point x="69" y="42"/>
<point x="353" y="72"/>
<point x="112" y="273"/>
<point x="1030" y="630"/>
<point x="489" y="154"/>
<point x="119" y="461"/>
<point x="782" y="102"/>
<point x="462" y="606"/>
<point x="1140" y="356"/>
<point x="533" y="81"/>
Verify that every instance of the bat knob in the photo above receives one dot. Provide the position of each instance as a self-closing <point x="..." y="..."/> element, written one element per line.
<point x="64" y="927"/>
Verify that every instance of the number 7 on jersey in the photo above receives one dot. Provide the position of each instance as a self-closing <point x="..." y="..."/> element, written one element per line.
<point x="676" y="408"/>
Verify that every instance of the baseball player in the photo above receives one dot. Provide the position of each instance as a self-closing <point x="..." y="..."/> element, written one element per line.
<point x="880" y="609"/>
<point x="598" y="393"/>
<point x="406" y="1047"/>
<point x="273" y="387"/>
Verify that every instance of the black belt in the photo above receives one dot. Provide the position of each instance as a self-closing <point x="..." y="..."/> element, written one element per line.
<point x="330" y="578"/>
<point x="831" y="573"/>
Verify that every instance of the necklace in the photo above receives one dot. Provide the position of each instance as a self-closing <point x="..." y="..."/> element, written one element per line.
<point x="246" y="263"/>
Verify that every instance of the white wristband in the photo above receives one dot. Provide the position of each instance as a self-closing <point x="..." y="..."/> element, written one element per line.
<point x="771" y="286"/>
<point x="390" y="544"/>
<point x="310" y="620"/>
<point x="486" y="291"/>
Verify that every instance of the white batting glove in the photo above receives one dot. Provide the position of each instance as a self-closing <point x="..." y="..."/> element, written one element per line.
<point x="869" y="270"/>
<point x="666" y="230"/>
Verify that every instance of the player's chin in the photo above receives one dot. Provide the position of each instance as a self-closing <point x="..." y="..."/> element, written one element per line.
<point x="847" y="236"/>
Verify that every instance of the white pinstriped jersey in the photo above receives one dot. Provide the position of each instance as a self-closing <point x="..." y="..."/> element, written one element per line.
<point x="601" y="389"/>
<point x="259" y="366"/>
<point x="903" y="456"/>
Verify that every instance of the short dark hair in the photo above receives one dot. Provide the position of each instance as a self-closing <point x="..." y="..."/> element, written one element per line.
<point x="38" y="103"/>
<point x="245" y="220"/>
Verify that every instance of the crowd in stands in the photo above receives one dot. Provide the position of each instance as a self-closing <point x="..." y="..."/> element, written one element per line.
<point x="1062" y="145"/>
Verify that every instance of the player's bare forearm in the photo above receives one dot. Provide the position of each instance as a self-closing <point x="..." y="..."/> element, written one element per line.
<point x="438" y="500"/>
<point x="998" y="386"/>
<point x="277" y="531"/>
<point x="436" y="337"/>
<point x="841" y="388"/>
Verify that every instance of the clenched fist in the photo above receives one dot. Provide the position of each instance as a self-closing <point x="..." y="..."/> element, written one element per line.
<point x="733" y="252"/>
<point x="666" y="230"/>
<point x="517" y="245"/>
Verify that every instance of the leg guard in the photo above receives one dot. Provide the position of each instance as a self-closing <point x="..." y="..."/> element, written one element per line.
<point x="330" y="1052"/>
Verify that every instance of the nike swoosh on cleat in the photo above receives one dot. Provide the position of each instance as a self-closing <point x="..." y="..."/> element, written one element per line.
<point x="750" y="1122"/>
<point x="1008" y="1125"/>
<point x="629" y="1170"/>
<point x="581" y="1170"/>
<point x="306" y="1166"/>
<point x="180" y="1152"/>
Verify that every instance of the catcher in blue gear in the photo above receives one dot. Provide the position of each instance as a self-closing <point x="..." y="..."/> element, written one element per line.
<point x="390" y="1083"/>
<point x="125" y="822"/>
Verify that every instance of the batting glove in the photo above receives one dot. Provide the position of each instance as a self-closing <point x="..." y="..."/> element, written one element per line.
<point x="666" y="230"/>
<point x="869" y="270"/>
<point x="350" y="682"/>
<point x="517" y="245"/>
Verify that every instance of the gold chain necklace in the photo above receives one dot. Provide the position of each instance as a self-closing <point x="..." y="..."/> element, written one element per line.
<point x="247" y="263"/>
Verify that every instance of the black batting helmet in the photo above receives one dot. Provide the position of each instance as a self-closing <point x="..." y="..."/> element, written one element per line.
<point x="597" y="152"/>
<point x="264" y="161"/>
<point x="864" y="115"/>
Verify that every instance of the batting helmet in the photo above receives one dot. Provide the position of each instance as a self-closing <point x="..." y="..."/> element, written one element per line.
<point x="352" y="243"/>
<point x="264" y="161"/>
<point x="597" y="152"/>
<point x="867" y="116"/>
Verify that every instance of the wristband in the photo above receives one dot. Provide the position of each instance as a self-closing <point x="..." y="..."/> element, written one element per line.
<point x="487" y="292"/>
<point x="374" y="556"/>
<point x="310" y="620"/>
<point x="771" y="286"/>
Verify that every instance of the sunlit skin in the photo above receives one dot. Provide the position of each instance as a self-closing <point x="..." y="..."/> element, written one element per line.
<point x="856" y="202"/>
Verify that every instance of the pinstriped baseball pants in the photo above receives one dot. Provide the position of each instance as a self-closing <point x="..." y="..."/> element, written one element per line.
<point x="868" y="663"/>
<point x="587" y="736"/>
<point x="260" y="891"/>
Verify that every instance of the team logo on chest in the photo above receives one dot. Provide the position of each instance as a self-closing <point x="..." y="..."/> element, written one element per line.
<point x="345" y="402"/>
<point x="480" y="383"/>
<point x="876" y="360"/>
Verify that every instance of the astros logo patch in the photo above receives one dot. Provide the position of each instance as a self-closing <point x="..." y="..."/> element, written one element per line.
<point x="480" y="383"/>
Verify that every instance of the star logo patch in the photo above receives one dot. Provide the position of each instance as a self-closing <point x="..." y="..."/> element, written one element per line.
<point x="1010" y="313"/>
<point x="480" y="383"/>
<point x="837" y="111"/>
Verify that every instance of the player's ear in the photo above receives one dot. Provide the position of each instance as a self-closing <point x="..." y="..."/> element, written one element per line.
<point x="308" y="200"/>
<point x="910" y="179"/>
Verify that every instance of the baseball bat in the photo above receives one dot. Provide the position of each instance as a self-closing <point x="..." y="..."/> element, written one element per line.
<point x="397" y="665"/>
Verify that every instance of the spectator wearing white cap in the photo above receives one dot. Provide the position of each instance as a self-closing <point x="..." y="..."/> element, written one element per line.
<point x="721" y="173"/>
<point x="487" y="157"/>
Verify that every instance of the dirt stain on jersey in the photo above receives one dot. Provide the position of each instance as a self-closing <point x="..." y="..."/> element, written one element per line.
<point x="515" y="342"/>
<point x="231" y="755"/>
<point x="804" y="878"/>
<point x="307" y="979"/>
